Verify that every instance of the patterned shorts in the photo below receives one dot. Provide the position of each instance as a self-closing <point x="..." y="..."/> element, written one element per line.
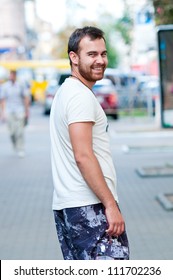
<point x="82" y="236"/>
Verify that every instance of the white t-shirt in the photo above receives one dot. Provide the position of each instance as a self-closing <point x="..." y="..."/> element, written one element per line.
<point x="14" y="94"/>
<point x="74" y="102"/>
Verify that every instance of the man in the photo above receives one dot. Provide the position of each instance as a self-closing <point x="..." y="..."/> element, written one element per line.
<point x="15" y="99"/>
<point x="88" y="221"/>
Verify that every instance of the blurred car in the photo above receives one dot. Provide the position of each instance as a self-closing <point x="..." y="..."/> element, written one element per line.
<point x="107" y="96"/>
<point x="49" y="96"/>
<point x="152" y="89"/>
<point x="51" y="89"/>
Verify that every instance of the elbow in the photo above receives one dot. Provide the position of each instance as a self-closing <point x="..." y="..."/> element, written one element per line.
<point x="82" y="158"/>
<point x="79" y="159"/>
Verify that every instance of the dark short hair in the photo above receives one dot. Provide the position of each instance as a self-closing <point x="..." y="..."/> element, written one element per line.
<point x="13" y="72"/>
<point x="75" y="38"/>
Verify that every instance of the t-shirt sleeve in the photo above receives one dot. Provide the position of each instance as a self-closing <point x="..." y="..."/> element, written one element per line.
<point x="81" y="108"/>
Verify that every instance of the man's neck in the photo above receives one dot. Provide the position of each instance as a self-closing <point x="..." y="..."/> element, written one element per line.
<point x="77" y="76"/>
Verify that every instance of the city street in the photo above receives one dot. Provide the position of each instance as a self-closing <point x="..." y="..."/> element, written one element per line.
<point x="27" y="229"/>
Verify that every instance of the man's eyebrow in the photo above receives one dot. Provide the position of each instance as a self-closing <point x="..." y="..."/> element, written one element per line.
<point x="95" y="52"/>
<point x="92" y="52"/>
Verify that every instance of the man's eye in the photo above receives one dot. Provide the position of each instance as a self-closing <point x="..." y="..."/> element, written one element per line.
<point x="91" y="54"/>
<point x="104" y="54"/>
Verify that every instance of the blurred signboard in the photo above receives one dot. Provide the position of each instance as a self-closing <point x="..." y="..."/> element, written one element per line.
<point x="5" y="50"/>
<point x="165" y="50"/>
<point x="18" y="64"/>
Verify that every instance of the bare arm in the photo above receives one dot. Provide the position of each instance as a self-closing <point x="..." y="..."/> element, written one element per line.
<point x="2" y="110"/>
<point x="26" y="105"/>
<point x="81" y="139"/>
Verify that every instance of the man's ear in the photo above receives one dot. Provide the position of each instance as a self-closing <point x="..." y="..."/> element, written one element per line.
<point x="74" y="57"/>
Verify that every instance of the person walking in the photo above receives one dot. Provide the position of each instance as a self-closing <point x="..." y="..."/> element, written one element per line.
<point x="88" y="220"/>
<point x="15" y="100"/>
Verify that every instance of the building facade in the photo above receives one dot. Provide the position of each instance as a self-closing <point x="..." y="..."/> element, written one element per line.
<point x="13" y="29"/>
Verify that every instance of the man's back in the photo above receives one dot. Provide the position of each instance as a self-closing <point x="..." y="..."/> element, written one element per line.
<point x="74" y="102"/>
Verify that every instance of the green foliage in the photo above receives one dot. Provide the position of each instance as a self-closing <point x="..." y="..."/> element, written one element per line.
<point x="163" y="10"/>
<point x="134" y="112"/>
<point x="113" y="57"/>
<point x="112" y="27"/>
<point x="116" y="28"/>
<point x="124" y="26"/>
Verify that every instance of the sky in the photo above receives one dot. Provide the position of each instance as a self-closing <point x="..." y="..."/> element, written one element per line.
<point x="56" y="12"/>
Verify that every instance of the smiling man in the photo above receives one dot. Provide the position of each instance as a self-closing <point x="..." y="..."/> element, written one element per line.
<point x="89" y="223"/>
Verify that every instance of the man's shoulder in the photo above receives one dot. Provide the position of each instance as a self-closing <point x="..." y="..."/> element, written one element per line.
<point x="76" y="86"/>
<point x="5" y="85"/>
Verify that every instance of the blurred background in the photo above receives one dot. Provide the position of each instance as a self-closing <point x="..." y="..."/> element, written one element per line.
<point x="33" y="40"/>
<point x="136" y="94"/>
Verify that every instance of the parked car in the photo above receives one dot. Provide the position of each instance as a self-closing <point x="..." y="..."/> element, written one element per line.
<point x="107" y="96"/>
<point x="52" y="89"/>
<point x="49" y="96"/>
<point x="103" y="89"/>
<point x="152" y="90"/>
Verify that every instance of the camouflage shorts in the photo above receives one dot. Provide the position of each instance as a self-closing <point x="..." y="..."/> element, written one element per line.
<point x="82" y="236"/>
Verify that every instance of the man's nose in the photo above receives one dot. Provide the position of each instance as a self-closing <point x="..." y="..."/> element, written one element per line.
<point x="100" y="59"/>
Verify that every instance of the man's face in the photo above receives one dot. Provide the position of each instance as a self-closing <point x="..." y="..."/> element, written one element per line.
<point x="92" y="59"/>
<point x="13" y="76"/>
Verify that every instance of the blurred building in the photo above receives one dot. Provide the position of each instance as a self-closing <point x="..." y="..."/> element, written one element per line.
<point x="12" y="31"/>
<point x="22" y="34"/>
<point x="144" y="47"/>
<point x="41" y="38"/>
<point x="141" y="55"/>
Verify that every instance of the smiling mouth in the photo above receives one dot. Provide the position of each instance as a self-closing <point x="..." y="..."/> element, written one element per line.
<point x="100" y="69"/>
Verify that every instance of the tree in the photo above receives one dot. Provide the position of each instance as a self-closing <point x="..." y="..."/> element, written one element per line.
<point x="163" y="11"/>
<point x="113" y="28"/>
<point x="116" y="30"/>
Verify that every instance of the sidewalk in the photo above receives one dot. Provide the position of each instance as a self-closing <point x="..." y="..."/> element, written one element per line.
<point x="149" y="225"/>
<point x="26" y="220"/>
<point x="138" y="124"/>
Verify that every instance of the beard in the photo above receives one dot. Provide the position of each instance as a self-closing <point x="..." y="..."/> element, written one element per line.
<point x="88" y="73"/>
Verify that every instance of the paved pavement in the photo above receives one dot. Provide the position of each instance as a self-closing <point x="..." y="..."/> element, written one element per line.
<point x="149" y="225"/>
<point x="27" y="228"/>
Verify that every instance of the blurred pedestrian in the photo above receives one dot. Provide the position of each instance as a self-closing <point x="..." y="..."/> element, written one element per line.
<point x="15" y="100"/>
<point x="88" y="220"/>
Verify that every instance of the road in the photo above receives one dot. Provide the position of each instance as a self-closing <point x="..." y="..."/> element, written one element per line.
<point x="26" y="220"/>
